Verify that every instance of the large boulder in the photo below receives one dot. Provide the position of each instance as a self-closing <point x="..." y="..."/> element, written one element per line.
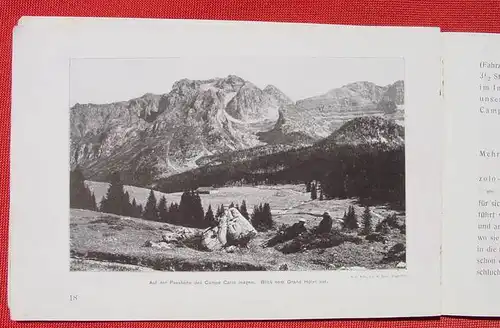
<point x="239" y="229"/>
<point x="232" y="229"/>
<point x="210" y="239"/>
<point x="326" y="224"/>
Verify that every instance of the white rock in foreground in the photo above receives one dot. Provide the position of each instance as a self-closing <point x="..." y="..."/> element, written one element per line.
<point x="232" y="229"/>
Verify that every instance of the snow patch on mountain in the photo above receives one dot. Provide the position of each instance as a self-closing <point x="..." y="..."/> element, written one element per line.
<point x="228" y="97"/>
<point x="208" y="86"/>
<point x="155" y="136"/>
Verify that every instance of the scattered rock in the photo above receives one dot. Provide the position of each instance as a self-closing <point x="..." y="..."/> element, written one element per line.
<point x="330" y="266"/>
<point x="158" y="245"/>
<point x="396" y="253"/>
<point x="232" y="229"/>
<point x="310" y="240"/>
<point x="170" y="237"/>
<point x="287" y="233"/>
<point x="231" y="249"/>
<point x="283" y="267"/>
<point x="210" y="239"/>
<point x="353" y="268"/>
<point x="325" y="225"/>
<point x="390" y="223"/>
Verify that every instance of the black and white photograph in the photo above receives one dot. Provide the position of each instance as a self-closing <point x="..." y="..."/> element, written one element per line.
<point x="237" y="164"/>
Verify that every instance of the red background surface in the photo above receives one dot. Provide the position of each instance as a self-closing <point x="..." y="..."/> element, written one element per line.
<point x="458" y="15"/>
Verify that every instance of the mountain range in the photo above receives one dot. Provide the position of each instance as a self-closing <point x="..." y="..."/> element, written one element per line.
<point x="208" y="122"/>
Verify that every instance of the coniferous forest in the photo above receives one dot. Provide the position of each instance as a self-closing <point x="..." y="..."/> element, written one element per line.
<point x="221" y="175"/>
<point x="346" y="171"/>
<point x="188" y="212"/>
<point x="80" y="195"/>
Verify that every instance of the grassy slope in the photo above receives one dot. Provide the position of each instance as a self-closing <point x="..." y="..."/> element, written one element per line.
<point x="280" y="197"/>
<point x="101" y="266"/>
<point x="288" y="203"/>
<point x="100" y="236"/>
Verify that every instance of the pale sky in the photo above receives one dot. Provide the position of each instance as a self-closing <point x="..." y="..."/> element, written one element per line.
<point x="108" y="80"/>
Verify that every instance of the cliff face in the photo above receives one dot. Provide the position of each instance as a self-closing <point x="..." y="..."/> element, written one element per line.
<point x="317" y="117"/>
<point x="155" y="136"/>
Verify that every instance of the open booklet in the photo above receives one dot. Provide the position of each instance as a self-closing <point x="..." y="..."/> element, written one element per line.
<point x="208" y="170"/>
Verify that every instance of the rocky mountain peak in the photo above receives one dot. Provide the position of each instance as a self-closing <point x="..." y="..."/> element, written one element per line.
<point x="396" y="92"/>
<point x="155" y="136"/>
<point x="355" y="96"/>
<point x="230" y="83"/>
<point x="360" y="85"/>
<point x="186" y="86"/>
<point x="146" y="106"/>
<point x="282" y="98"/>
<point x="251" y="104"/>
<point x="234" y="79"/>
<point x="392" y="98"/>
<point x="369" y="130"/>
<point x="148" y="96"/>
<point x="362" y="89"/>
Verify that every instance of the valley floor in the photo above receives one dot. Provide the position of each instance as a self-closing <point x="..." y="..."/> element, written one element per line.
<point x="106" y="242"/>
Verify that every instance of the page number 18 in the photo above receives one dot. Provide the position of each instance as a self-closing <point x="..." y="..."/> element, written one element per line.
<point x="73" y="298"/>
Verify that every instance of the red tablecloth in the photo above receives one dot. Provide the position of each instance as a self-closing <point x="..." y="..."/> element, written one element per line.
<point x="451" y="15"/>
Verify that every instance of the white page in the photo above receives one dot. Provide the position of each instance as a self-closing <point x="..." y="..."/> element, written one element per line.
<point x="59" y="61"/>
<point x="470" y="263"/>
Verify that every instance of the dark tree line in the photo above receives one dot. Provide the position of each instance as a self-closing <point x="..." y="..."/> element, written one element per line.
<point x="136" y="209"/>
<point x="243" y="210"/>
<point x="377" y="175"/>
<point x="220" y="211"/>
<point x="350" y="219"/>
<point x="117" y="200"/>
<point x="209" y="217"/>
<point x="365" y="172"/>
<point x="262" y="219"/>
<point x="189" y="212"/>
<point x="314" y="191"/>
<point x="150" y="210"/>
<point x="367" y="221"/>
<point x="80" y="195"/>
